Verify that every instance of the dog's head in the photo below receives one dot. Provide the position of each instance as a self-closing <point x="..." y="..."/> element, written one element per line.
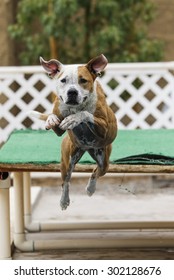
<point x="74" y="83"/>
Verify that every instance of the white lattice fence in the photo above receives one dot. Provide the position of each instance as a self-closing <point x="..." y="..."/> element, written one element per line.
<point x="141" y="95"/>
<point x="23" y="89"/>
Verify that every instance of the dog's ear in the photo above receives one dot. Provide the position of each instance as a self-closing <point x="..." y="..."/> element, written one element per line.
<point x="52" y="66"/>
<point x="97" y="64"/>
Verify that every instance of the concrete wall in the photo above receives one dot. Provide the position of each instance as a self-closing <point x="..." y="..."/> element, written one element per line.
<point x="163" y="26"/>
<point x="7" y="47"/>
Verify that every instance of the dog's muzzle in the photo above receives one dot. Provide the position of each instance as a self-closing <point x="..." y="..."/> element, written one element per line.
<point x="72" y="97"/>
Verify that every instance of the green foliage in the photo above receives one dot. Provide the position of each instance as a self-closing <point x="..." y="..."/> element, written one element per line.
<point x="82" y="29"/>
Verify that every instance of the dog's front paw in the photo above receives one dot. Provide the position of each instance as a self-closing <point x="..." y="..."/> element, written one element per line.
<point x="74" y="120"/>
<point x="52" y="121"/>
<point x="69" y="122"/>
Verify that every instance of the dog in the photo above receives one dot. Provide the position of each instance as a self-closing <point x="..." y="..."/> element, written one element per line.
<point x="80" y="108"/>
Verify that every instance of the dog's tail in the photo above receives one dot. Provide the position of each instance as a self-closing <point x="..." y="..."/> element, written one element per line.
<point x="37" y="115"/>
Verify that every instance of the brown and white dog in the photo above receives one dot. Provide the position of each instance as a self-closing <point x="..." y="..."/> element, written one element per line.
<point x="81" y="109"/>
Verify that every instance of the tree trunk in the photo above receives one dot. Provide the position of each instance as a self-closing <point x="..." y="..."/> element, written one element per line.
<point x="87" y="30"/>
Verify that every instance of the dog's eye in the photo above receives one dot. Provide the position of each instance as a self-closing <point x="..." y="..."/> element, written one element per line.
<point x="82" y="80"/>
<point x="63" y="81"/>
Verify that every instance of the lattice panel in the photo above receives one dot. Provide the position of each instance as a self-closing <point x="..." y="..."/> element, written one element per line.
<point x="141" y="97"/>
<point x="21" y="93"/>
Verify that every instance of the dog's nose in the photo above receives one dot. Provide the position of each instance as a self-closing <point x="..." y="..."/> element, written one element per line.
<point x="72" y="93"/>
<point x="72" y="96"/>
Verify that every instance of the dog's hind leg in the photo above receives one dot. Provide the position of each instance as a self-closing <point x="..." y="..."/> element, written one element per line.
<point x="70" y="156"/>
<point x="102" y="158"/>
